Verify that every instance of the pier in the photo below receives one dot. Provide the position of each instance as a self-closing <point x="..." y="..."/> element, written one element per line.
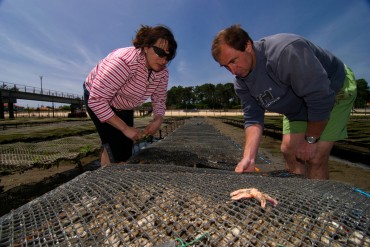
<point x="10" y="93"/>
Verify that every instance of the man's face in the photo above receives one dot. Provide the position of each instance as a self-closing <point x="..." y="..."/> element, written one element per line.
<point x="239" y="63"/>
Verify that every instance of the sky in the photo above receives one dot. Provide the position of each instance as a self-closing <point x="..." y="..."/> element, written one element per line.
<point x="63" y="40"/>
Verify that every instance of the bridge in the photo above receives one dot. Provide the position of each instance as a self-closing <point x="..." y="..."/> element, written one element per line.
<point x="10" y="92"/>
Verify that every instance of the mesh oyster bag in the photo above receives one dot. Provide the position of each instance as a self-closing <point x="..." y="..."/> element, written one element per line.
<point x="156" y="205"/>
<point x="176" y="192"/>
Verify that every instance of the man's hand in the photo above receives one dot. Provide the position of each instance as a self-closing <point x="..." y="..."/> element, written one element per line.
<point x="306" y="151"/>
<point x="245" y="165"/>
<point x="253" y="135"/>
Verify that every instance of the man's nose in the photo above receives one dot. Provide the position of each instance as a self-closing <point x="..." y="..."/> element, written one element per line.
<point x="231" y="68"/>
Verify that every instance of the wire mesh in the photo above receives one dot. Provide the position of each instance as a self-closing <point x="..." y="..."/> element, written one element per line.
<point x="176" y="203"/>
<point x="25" y="155"/>
<point x="21" y="155"/>
<point x="131" y="206"/>
<point x="196" y="144"/>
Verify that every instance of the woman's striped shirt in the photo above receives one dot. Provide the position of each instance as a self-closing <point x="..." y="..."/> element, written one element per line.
<point x="121" y="81"/>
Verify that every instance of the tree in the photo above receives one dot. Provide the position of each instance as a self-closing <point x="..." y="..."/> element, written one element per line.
<point x="173" y="97"/>
<point x="65" y="107"/>
<point x="228" y="97"/>
<point x="223" y="96"/>
<point x="363" y="94"/>
<point x="206" y="96"/>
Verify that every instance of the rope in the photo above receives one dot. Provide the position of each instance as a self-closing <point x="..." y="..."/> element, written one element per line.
<point x="184" y="244"/>
<point x="361" y="192"/>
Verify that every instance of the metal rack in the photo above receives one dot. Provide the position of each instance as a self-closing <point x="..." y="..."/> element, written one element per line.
<point x="175" y="202"/>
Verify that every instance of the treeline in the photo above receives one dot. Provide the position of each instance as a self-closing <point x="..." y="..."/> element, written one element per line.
<point x="206" y="96"/>
<point x="363" y="94"/>
<point x="222" y="96"/>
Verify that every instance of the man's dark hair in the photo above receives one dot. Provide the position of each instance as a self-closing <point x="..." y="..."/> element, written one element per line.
<point x="233" y="36"/>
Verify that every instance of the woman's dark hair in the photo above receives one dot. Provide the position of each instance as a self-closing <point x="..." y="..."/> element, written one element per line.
<point x="233" y="36"/>
<point x="146" y="36"/>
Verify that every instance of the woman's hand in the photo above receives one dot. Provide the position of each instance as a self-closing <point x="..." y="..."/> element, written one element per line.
<point x="133" y="133"/>
<point x="153" y="126"/>
<point x="130" y="132"/>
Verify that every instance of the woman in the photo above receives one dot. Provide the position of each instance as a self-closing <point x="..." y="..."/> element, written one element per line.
<point x="124" y="80"/>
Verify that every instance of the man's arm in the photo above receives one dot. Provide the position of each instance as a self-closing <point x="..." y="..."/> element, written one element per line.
<point x="315" y="129"/>
<point x="253" y="135"/>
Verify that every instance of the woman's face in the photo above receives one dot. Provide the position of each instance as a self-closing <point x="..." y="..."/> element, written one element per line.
<point x="157" y="55"/>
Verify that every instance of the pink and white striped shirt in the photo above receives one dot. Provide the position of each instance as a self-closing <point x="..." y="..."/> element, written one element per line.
<point x="121" y="81"/>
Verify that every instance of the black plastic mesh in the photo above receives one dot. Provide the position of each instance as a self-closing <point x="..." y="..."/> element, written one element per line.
<point x="196" y="144"/>
<point x="182" y="205"/>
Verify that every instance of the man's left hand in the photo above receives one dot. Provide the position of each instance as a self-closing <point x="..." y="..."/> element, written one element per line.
<point x="306" y="151"/>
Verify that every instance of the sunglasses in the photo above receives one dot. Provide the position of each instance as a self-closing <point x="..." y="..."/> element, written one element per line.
<point x="161" y="53"/>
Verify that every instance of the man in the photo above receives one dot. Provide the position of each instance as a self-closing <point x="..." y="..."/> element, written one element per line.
<point x="288" y="74"/>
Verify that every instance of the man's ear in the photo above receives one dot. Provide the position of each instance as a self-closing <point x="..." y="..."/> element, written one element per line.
<point x="249" y="46"/>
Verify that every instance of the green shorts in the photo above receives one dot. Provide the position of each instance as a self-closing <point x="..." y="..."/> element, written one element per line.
<point x="336" y="129"/>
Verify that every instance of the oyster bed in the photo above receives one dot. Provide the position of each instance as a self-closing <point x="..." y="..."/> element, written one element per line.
<point x="177" y="192"/>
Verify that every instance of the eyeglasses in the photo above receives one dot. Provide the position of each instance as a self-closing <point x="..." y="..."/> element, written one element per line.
<point x="161" y="53"/>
